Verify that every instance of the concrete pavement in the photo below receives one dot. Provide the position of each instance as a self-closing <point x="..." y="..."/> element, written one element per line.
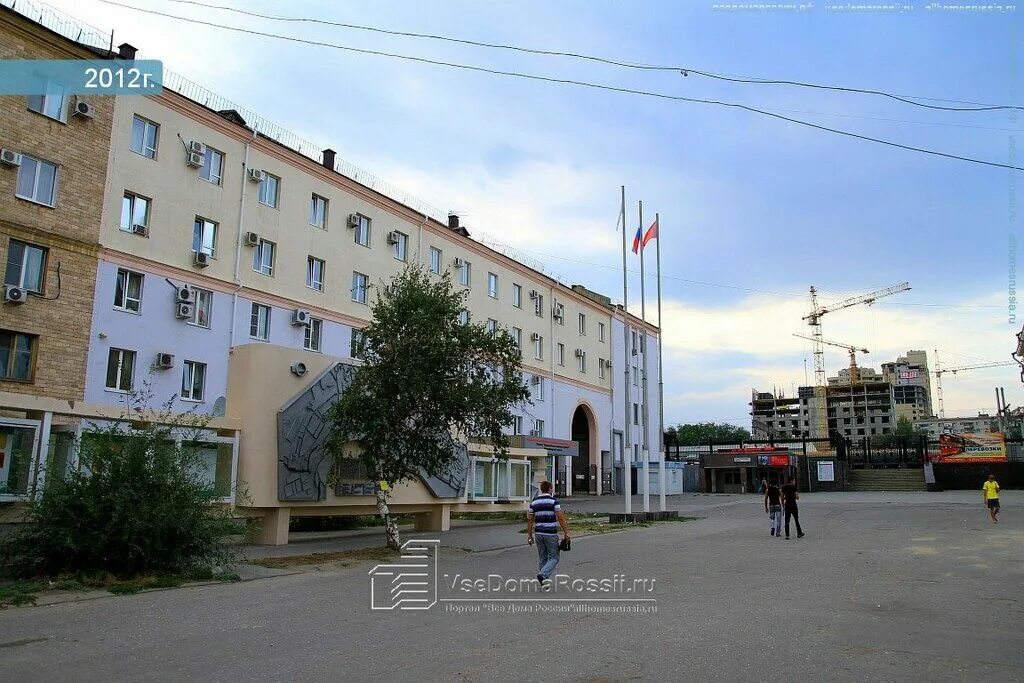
<point x="884" y="587"/>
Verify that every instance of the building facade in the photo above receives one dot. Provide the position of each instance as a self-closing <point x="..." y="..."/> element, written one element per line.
<point x="222" y="259"/>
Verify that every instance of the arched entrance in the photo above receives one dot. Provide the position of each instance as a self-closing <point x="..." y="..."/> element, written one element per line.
<point x="584" y="467"/>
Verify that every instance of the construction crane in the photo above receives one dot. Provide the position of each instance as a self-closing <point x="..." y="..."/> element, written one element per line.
<point x="852" y="350"/>
<point x="939" y="371"/>
<point x="814" y="320"/>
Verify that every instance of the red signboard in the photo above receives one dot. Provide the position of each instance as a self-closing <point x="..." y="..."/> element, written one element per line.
<point x="778" y="460"/>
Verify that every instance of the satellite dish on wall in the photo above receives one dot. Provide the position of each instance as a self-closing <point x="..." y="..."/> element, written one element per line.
<point x="218" y="407"/>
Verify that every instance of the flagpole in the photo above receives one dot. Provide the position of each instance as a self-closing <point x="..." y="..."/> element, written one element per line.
<point x="644" y="440"/>
<point x="627" y="462"/>
<point x="661" y="379"/>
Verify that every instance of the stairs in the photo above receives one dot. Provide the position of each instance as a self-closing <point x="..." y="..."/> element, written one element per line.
<point x="887" y="480"/>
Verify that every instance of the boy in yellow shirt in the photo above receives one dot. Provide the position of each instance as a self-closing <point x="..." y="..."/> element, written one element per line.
<point x="991" y="489"/>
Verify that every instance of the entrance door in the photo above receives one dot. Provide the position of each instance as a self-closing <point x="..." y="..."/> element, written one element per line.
<point x="582" y="471"/>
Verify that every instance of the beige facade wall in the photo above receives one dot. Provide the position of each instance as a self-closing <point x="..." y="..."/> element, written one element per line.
<point x="61" y="315"/>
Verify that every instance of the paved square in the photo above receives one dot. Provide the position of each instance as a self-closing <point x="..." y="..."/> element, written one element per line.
<point x="884" y="587"/>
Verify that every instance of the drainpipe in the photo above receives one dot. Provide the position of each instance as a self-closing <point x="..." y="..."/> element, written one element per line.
<point x="238" y="246"/>
<point x="551" y="366"/>
<point x="419" y="241"/>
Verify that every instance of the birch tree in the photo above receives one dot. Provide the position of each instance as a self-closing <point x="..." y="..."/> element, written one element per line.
<point x="427" y="383"/>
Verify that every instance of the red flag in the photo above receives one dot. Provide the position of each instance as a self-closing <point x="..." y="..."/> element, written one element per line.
<point x="652" y="233"/>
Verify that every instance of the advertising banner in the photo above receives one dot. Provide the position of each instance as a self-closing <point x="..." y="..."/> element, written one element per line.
<point x="971" y="448"/>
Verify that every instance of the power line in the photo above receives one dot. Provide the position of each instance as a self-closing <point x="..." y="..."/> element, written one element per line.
<point x="978" y="106"/>
<point x="565" y="81"/>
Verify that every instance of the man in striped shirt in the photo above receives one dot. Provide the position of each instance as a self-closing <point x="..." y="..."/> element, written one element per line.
<point x="542" y="522"/>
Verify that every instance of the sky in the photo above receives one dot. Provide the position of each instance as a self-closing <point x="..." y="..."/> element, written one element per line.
<point x="754" y="210"/>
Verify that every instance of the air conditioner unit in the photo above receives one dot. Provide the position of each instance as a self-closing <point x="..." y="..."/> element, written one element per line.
<point x="164" y="361"/>
<point x="196" y="153"/>
<point x="140" y="229"/>
<point x="257" y="175"/>
<point x="10" y="157"/>
<point x="457" y="262"/>
<point x="353" y="220"/>
<point x="534" y="293"/>
<point x="579" y="353"/>
<point x="634" y="351"/>
<point x="84" y="109"/>
<point x="298" y="369"/>
<point x="15" y="295"/>
<point x="185" y="295"/>
<point x="608" y="364"/>
<point x="300" y="317"/>
<point x="252" y="239"/>
<point x="183" y="310"/>
<point x="534" y="432"/>
<point x="534" y="337"/>
<point x="394" y="237"/>
<point x="194" y="159"/>
<point x="535" y="380"/>
<point x="201" y="259"/>
<point x="557" y="312"/>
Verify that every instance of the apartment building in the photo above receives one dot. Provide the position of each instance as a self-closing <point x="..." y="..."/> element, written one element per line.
<point x="911" y="385"/>
<point x="233" y="274"/>
<point x="936" y="426"/>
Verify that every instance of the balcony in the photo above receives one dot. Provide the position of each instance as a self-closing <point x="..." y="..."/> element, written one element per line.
<point x="494" y="480"/>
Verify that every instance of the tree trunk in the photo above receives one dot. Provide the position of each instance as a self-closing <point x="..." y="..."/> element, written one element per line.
<point x="390" y="525"/>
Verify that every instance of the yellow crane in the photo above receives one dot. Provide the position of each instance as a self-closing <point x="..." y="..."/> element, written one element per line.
<point x="852" y="350"/>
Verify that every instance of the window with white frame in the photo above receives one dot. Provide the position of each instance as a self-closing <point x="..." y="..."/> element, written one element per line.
<point x="204" y="236"/>
<point x="53" y="103"/>
<point x="37" y="181"/>
<point x="134" y="211"/>
<point x="538" y="388"/>
<point x="318" y="211"/>
<point x="517" y="424"/>
<point x="601" y="368"/>
<point x="312" y="334"/>
<point x="600" y="332"/>
<point x="263" y="258"/>
<point x="560" y="314"/>
<point x="357" y="344"/>
<point x="144" y="137"/>
<point x="270" y="188"/>
<point x="128" y="291"/>
<point x="560" y="353"/>
<point x="492" y="326"/>
<point x="203" y="308"/>
<point x="315" y="273"/>
<point x="212" y="170"/>
<point x="517" y="296"/>
<point x="465" y="273"/>
<point x="538" y="427"/>
<point x="359" y="282"/>
<point x="538" y="306"/>
<point x="259" y="322"/>
<point x="636" y="376"/>
<point x="400" y="246"/>
<point x="581" y="360"/>
<point x="17" y="446"/>
<point x="499" y="479"/>
<point x="193" y="380"/>
<point x="435" y="260"/>
<point x="464" y="316"/>
<point x="538" y="347"/>
<point x="517" y="335"/>
<point x="583" y="323"/>
<point x="636" y="413"/>
<point x="492" y="285"/>
<point x="636" y="345"/>
<point x="17" y="355"/>
<point x="361" y="233"/>
<point x="26" y="266"/>
<point x="120" y="369"/>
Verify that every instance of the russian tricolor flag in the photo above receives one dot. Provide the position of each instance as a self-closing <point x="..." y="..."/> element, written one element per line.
<point x="642" y="238"/>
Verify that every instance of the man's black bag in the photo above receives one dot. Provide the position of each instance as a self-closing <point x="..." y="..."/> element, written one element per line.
<point x="565" y="545"/>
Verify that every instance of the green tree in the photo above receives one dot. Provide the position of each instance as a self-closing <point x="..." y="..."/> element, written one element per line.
<point x="427" y="382"/>
<point x="904" y="428"/>
<point x="697" y="433"/>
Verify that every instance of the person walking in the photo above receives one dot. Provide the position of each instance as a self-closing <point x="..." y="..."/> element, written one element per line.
<point x="763" y="486"/>
<point x="991" y="496"/>
<point x="773" y="507"/>
<point x="790" y="495"/>
<point x="543" y="518"/>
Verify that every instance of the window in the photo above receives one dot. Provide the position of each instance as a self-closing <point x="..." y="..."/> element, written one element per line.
<point x="269" y="187"/>
<point x="636" y="414"/>
<point x="517" y="296"/>
<point x="193" y="379"/>
<point x="538" y="306"/>
<point x="37" y="181"/>
<point x="259" y="322"/>
<point x="359" y="288"/>
<point x="16" y="352"/>
<point x="144" y="137"/>
<point x="128" y="291"/>
<point x="583" y="323"/>
<point x="517" y="334"/>
<point x="357" y="345"/>
<point x="600" y="367"/>
<point x="312" y="335"/>
<point x="538" y="393"/>
<point x="517" y="424"/>
<point x="538" y="347"/>
<point x="26" y="266"/>
<point x="53" y="104"/>
<point x="120" y="369"/>
<point x="600" y="331"/>
<point x="492" y="326"/>
<point x="465" y="273"/>
<point x="635" y="345"/>
<point x="581" y="360"/>
<point x="538" y="427"/>
<point x="636" y="376"/>
<point x="464" y="316"/>
<point x="435" y="261"/>
<point x="492" y="285"/>
<point x="204" y="237"/>
<point x="318" y="212"/>
<point x="315" y="273"/>
<point x="560" y="354"/>
<point x="263" y="258"/>
<point x="134" y="211"/>
<point x="361" y="234"/>
<point x="400" y="245"/>
<point x="203" y="309"/>
<point x="212" y="169"/>
<point x="560" y="313"/>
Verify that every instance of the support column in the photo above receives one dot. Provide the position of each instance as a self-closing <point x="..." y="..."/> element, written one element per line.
<point x="273" y="528"/>
<point x="437" y="519"/>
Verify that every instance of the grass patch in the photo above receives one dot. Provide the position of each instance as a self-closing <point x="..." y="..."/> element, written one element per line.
<point x="512" y="516"/>
<point x="17" y="593"/>
<point x="341" y="557"/>
<point x="586" y="525"/>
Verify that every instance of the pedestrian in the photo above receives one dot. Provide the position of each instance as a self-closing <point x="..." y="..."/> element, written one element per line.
<point x="773" y="507"/>
<point x="763" y="486"/>
<point x="543" y="518"/>
<point x="991" y="495"/>
<point x="790" y="496"/>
